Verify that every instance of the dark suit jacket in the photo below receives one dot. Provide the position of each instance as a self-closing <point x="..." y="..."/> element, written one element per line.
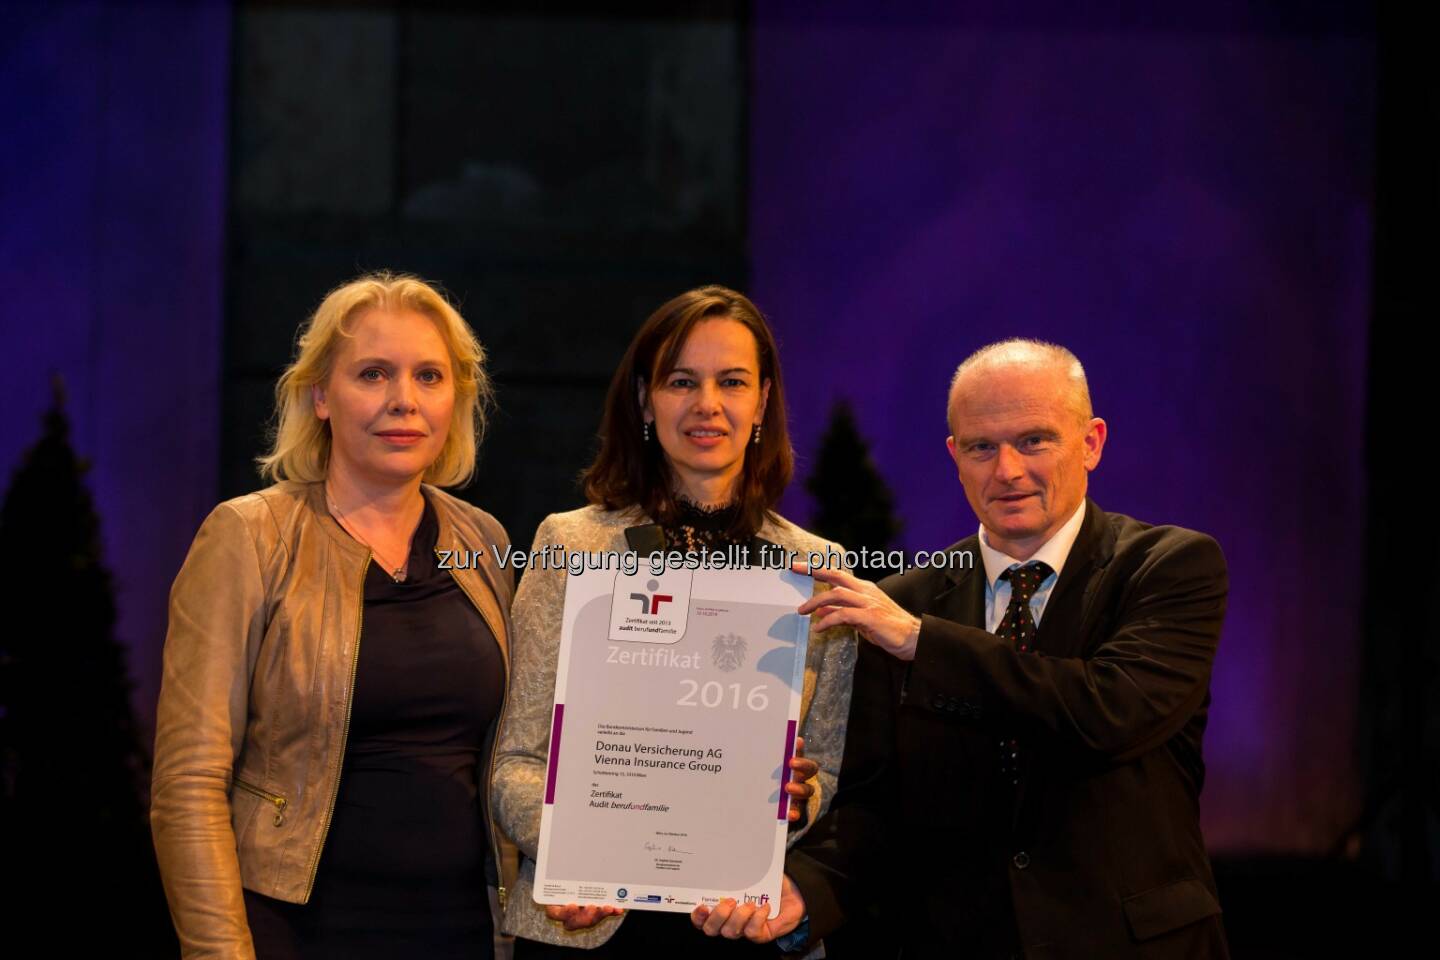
<point x="1097" y="852"/>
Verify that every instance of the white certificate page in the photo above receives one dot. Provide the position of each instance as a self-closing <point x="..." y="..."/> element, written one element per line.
<point x="676" y="701"/>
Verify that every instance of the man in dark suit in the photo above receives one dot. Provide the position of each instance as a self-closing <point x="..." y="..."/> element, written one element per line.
<point x="1023" y="761"/>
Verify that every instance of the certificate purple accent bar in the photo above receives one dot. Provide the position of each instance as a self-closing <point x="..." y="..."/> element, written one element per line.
<point x="785" y="769"/>
<point x="555" y="752"/>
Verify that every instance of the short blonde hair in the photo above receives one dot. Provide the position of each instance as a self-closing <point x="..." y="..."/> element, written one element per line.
<point x="301" y="447"/>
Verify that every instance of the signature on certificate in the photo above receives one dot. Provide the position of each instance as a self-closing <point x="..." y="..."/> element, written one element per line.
<point x="652" y="847"/>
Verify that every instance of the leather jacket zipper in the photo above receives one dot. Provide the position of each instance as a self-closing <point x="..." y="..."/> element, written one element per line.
<point x="274" y="799"/>
<point x="344" y="733"/>
<point x="500" y="890"/>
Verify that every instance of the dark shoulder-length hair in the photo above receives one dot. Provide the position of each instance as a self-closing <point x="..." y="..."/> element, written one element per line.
<point x="628" y="472"/>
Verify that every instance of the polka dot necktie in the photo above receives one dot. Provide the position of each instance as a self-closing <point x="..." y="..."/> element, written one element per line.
<point x="1018" y="628"/>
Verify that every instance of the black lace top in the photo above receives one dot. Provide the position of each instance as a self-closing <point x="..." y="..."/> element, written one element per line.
<point x="697" y="527"/>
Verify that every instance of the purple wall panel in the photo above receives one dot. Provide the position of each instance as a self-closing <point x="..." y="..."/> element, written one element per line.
<point x="1191" y="213"/>
<point x="112" y="187"/>
<point x="1188" y="209"/>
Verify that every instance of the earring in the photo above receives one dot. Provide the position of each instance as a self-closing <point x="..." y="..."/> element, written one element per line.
<point x="756" y="437"/>
<point x="645" y="431"/>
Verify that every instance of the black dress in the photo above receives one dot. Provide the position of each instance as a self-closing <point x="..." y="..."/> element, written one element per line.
<point x="402" y="871"/>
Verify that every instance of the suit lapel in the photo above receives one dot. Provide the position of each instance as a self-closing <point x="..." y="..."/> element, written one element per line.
<point x="962" y="596"/>
<point x="1064" y="625"/>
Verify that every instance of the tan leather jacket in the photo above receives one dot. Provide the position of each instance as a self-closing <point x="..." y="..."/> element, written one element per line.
<point x="255" y="700"/>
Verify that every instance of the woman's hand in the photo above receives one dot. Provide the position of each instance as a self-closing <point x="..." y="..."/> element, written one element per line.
<point x="576" y="917"/>
<point x="801" y="771"/>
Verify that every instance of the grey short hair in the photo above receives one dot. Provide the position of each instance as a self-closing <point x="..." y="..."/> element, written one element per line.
<point x="1022" y="351"/>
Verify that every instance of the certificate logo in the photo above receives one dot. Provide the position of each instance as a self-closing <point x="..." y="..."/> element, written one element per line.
<point x="650" y="602"/>
<point x="727" y="652"/>
<point x="622" y="893"/>
<point x="650" y="608"/>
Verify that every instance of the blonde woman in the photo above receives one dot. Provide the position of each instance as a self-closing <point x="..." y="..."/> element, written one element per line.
<point x="330" y="689"/>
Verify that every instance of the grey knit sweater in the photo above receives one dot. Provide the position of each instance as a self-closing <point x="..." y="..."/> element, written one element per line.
<point x="524" y="738"/>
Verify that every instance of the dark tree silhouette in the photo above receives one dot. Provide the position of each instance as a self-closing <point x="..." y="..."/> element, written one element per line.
<point x="854" y="506"/>
<point x="78" y="868"/>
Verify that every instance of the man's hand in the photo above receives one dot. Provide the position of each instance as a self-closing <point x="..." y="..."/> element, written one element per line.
<point x="801" y="771"/>
<point x="860" y="604"/>
<point x="750" y="920"/>
<point x="579" y="918"/>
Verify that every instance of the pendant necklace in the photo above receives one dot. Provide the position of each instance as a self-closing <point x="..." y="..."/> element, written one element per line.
<point x="397" y="573"/>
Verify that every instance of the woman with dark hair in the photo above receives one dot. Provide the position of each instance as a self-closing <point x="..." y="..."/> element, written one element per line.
<point x="694" y="453"/>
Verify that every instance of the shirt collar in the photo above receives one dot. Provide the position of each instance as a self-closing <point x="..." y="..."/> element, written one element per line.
<point x="1054" y="551"/>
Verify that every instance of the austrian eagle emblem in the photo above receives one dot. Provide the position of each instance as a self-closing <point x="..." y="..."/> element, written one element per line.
<point x="727" y="652"/>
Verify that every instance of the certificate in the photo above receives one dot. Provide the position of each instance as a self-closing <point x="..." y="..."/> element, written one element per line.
<point x="676" y="700"/>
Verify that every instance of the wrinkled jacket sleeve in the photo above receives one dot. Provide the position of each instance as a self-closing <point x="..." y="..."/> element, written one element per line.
<point x="1128" y="696"/>
<point x="524" y="739"/>
<point x="217" y="620"/>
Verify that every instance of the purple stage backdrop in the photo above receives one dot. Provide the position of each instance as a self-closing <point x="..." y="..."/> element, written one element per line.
<point x="112" y="195"/>
<point x="1189" y="209"/>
